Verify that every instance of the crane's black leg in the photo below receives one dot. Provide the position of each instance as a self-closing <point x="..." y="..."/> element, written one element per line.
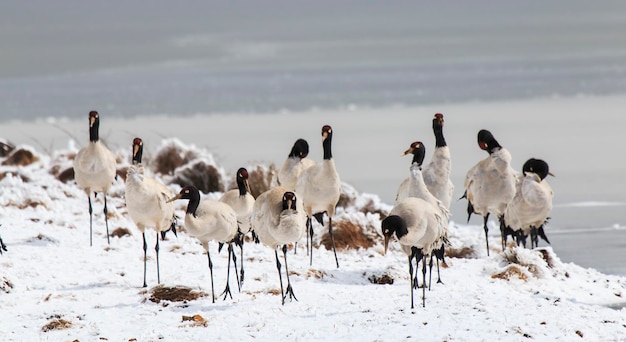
<point x="289" y="288"/>
<point x="424" y="280"/>
<point x="90" y="220"/>
<point x="241" y="241"/>
<point x="234" y="255"/>
<point x="486" y="218"/>
<point x="106" y="218"/>
<point x="332" y="239"/>
<point x="227" y="289"/>
<point x="440" y="254"/>
<point x="430" y="270"/>
<point x="280" y="277"/>
<point x="310" y="225"/>
<point x="411" y="276"/>
<point x="211" y="271"/>
<point x="145" y="248"/>
<point x="156" y="249"/>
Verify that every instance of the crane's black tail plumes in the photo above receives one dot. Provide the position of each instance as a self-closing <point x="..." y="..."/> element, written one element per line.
<point x="172" y="228"/>
<point x="470" y="207"/>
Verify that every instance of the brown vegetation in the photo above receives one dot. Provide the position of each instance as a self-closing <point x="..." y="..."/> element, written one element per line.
<point x="196" y="320"/>
<point x="203" y="176"/>
<point x="21" y="157"/>
<point x="120" y="232"/>
<point x="347" y="235"/>
<point x="56" y="323"/>
<point x="171" y="157"/>
<point x="465" y="252"/>
<point x="510" y="272"/>
<point x="381" y="280"/>
<point x="174" y="294"/>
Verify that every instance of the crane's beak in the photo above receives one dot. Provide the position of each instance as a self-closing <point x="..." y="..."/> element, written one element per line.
<point x="174" y="198"/>
<point x="386" y="242"/>
<point x="410" y="150"/>
<point x="551" y="174"/>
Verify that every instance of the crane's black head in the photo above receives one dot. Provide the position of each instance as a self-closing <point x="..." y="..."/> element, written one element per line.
<point x="300" y="149"/>
<point x="487" y="142"/>
<point x="242" y="173"/>
<point x="537" y="166"/>
<point x="242" y="181"/>
<point x="438" y="121"/>
<point x="390" y="225"/>
<point x="418" y="150"/>
<point x="137" y="150"/>
<point x="94" y="124"/>
<point x="289" y="200"/>
<point x="440" y="141"/>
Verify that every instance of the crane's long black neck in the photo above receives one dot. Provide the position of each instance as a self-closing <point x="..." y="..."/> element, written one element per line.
<point x="418" y="156"/>
<point x="326" y="144"/>
<point x="138" y="155"/>
<point x="194" y="202"/>
<point x="241" y="185"/>
<point x="440" y="141"/>
<point x="93" y="131"/>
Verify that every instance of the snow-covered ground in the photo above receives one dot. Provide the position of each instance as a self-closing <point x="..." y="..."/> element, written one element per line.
<point x="51" y="275"/>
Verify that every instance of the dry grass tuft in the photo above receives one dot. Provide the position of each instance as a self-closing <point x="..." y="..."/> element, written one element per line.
<point x="510" y="272"/>
<point x="196" y="320"/>
<point x="260" y="179"/>
<point x="120" y="232"/>
<point x="317" y="274"/>
<point x="461" y="253"/>
<point x="66" y="175"/>
<point x="174" y="294"/>
<point x="203" y="176"/>
<point x="21" y="157"/>
<point x="382" y="280"/>
<point x="57" y="324"/>
<point x="547" y="256"/>
<point x="171" y="157"/>
<point x="347" y="235"/>
<point x="275" y="292"/>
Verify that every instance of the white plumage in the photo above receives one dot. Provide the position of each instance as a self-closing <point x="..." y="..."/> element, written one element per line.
<point x="279" y="219"/>
<point x="437" y="172"/>
<point x="527" y="213"/>
<point x="210" y="220"/>
<point x="95" y="169"/>
<point x="417" y="225"/>
<point x="319" y="187"/>
<point x="147" y="203"/>
<point x="490" y="184"/>
<point x="295" y="163"/>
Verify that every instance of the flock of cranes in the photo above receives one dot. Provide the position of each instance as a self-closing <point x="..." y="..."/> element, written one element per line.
<point x="307" y="190"/>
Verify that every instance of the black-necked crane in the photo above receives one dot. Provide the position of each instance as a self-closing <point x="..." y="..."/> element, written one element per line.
<point x="242" y="202"/>
<point x="95" y="170"/>
<point x="147" y="204"/>
<point x="279" y="219"/>
<point x="415" y="186"/>
<point x="490" y="184"/>
<point x="416" y="225"/>
<point x="528" y="211"/>
<point x="210" y="220"/>
<point x="319" y="188"/>
<point x="295" y="163"/>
